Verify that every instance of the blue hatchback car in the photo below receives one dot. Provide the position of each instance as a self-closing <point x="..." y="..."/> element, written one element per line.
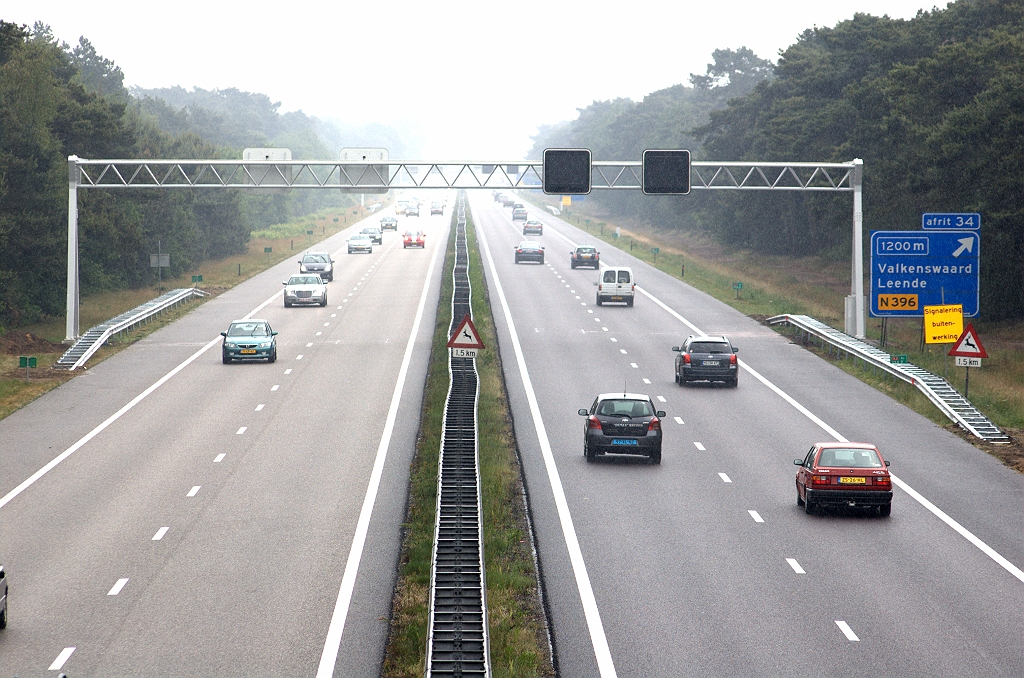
<point x="249" y="340"/>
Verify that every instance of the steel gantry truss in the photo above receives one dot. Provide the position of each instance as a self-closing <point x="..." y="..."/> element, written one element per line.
<point x="377" y="176"/>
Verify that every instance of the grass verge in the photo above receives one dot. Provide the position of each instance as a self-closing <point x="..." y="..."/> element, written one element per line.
<point x="517" y="625"/>
<point x="43" y="340"/>
<point x="817" y="286"/>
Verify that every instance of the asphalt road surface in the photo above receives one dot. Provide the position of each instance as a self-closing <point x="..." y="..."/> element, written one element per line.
<point x="705" y="565"/>
<point x="238" y="520"/>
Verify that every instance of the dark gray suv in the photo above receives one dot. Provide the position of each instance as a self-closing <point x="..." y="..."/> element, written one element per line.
<point x="706" y="359"/>
<point x="622" y="423"/>
<point x="319" y="263"/>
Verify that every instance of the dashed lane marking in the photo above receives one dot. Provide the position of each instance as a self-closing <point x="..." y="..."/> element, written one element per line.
<point x="847" y="631"/>
<point x="160" y="534"/>
<point x="699" y="446"/>
<point x="194" y="491"/>
<point x="117" y="587"/>
<point x="756" y="516"/>
<point x="241" y="430"/>
<point x="219" y="458"/>
<point x="679" y="420"/>
<point x="58" y="663"/>
<point x="795" y="565"/>
<point x="725" y="478"/>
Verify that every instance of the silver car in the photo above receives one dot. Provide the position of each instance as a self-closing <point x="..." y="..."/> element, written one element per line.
<point x="360" y="243"/>
<point x="305" y="289"/>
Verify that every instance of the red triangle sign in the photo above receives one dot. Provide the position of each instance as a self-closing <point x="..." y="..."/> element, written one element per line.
<point x="466" y="335"/>
<point x="968" y="345"/>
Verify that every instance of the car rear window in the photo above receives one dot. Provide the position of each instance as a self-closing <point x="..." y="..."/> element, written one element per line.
<point x="709" y="347"/>
<point x="625" y="408"/>
<point x="624" y="277"/>
<point x="586" y="250"/>
<point x="609" y="276"/>
<point x="843" y="458"/>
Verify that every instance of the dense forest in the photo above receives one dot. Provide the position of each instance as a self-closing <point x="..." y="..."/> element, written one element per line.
<point x="934" y="105"/>
<point x="57" y="100"/>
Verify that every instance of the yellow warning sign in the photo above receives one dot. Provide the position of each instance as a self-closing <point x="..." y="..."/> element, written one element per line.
<point x="943" y="324"/>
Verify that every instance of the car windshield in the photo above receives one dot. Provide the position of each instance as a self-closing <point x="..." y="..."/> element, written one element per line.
<point x="360" y="238"/>
<point x="314" y="259"/>
<point x="248" y="330"/>
<point x="625" y="408"/>
<point x="304" y="280"/>
<point x="709" y="347"/>
<point x="844" y="458"/>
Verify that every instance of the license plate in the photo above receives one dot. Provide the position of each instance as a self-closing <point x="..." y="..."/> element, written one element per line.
<point x="710" y="363"/>
<point x="616" y="298"/>
<point x="248" y="350"/>
<point x="617" y="441"/>
<point x="852" y="480"/>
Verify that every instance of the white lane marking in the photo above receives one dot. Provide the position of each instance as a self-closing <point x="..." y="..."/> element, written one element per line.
<point x="309" y="344"/>
<point x="160" y="534"/>
<point x="219" y="458"/>
<point x="332" y="643"/>
<point x="288" y="371"/>
<point x="646" y="380"/>
<point x="571" y="291"/>
<point x="298" y="357"/>
<point x="194" y="491"/>
<point x="679" y="420"/>
<point x="577" y="296"/>
<point x="795" y="565"/>
<point x="847" y="631"/>
<point x="590" y="310"/>
<point x="275" y="387"/>
<point x="117" y="587"/>
<point x="622" y="351"/>
<point x="583" y="303"/>
<point x="636" y="367"/>
<point x="241" y="430"/>
<point x="326" y="324"/>
<point x="317" y="334"/>
<point x="339" y="308"/>
<point x="604" y="329"/>
<point x="918" y="497"/>
<point x="613" y="339"/>
<point x="344" y="301"/>
<point x="58" y="663"/>
<point x="699" y="446"/>
<point x="334" y="315"/>
<point x="756" y="516"/>
<point x="259" y="408"/>
<point x="725" y="478"/>
<point x="662" y="399"/>
<point x="605" y="665"/>
<point x="28" y="482"/>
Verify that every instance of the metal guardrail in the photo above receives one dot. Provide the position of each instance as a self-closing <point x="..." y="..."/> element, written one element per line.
<point x="457" y="644"/>
<point x="91" y="341"/>
<point x="937" y="389"/>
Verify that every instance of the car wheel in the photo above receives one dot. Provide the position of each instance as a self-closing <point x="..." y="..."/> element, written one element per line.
<point x="682" y="380"/>
<point x="542" y="261"/>
<point x="808" y="506"/>
<point x="324" y="302"/>
<point x="733" y="383"/>
<point x="3" y="614"/>
<point x="799" y="500"/>
<point x="572" y="264"/>
<point x="226" y="360"/>
<point x="629" y="302"/>
<point x="598" y="300"/>
<point x="656" y="456"/>
<point x="272" y="358"/>
<point x="885" y="510"/>
<point x="589" y="454"/>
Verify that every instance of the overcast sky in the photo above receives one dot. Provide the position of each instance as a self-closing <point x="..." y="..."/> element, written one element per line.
<point x="476" y="78"/>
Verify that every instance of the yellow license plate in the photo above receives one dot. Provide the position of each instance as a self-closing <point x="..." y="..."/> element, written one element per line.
<point x="248" y="350"/>
<point x="852" y="480"/>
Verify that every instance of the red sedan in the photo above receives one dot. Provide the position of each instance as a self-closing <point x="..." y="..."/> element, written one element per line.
<point x="413" y="239"/>
<point x="844" y="474"/>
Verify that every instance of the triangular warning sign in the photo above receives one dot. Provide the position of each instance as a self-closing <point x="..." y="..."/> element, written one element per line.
<point x="968" y="345"/>
<point x="466" y="335"/>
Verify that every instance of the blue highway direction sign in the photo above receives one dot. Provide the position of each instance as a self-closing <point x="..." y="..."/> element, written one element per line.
<point x="914" y="269"/>
<point x="951" y="220"/>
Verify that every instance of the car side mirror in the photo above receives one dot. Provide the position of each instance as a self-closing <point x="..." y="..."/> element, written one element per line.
<point x="660" y="413"/>
<point x="542" y="248"/>
<point x="582" y="412"/>
<point x="223" y="334"/>
<point x="735" y="350"/>
<point x="886" y="462"/>
<point x="299" y="261"/>
<point x="798" y="462"/>
<point x="273" y="334"/>
<point x="595" y="284"/>
<point x="284" y="282"/>
<point x="676" y="349"/>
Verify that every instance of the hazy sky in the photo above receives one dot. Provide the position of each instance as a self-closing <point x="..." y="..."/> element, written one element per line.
<point x="476" y="78"/>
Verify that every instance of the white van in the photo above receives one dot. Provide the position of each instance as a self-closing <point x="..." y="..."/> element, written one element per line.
<point x="616" y="284"/>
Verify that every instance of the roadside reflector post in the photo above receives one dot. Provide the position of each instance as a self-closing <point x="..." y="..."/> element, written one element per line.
<point x="737" y="286"/>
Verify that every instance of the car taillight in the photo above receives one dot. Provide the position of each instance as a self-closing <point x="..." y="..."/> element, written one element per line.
<point x="732" y="359"/>
<point x="883" y="480"/>
<point x="820" y="480"/>
<point x="519" y="251"/>
<point x="686" y="358"/>
<point x="594" y="422"/>
<point x="655" y="425"/>
<point x="632" y="287"/>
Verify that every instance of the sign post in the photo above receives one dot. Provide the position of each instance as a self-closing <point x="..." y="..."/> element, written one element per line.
<point x="737" y="286"/>
<point x="465" y="342"/>
<point x="968" y="352"/>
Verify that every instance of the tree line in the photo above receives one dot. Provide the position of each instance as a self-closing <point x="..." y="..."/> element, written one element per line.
<point x="934" y="105"/>
<point x="57" y="100"/>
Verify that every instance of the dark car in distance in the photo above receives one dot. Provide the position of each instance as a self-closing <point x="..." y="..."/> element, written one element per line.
<point x="249" y="340"/>
<point x="707" y="359"/>
<point x="622" y="423"/>
<point x="389" y="224"/>
<point x="844" y="474"/>
<point x="528" y="250"/>
<point x="585" y="256"/>
<point x="533" y="227"/>
<point x="319" y="263"/>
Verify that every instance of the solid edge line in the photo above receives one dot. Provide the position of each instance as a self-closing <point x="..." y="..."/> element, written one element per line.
<point x="939" y="513"/>
<point x="579" y="567"/>
<point x="332" y="643"/>
<point x="28" y="482"/>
